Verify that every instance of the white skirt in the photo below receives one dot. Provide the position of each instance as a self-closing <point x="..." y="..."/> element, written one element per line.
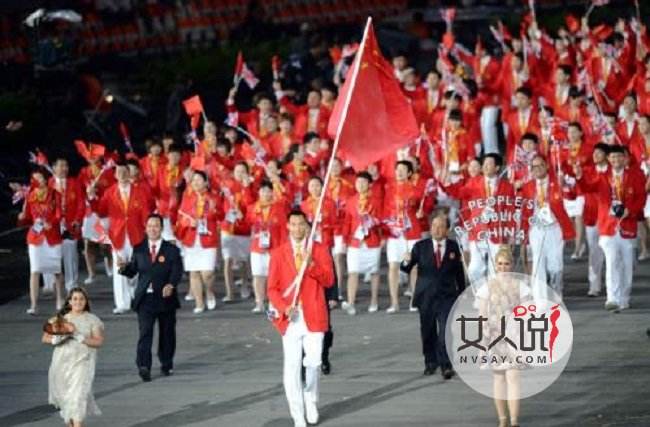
<point x="363" y="260"/>
<point x="339" y="246"/>
<point x="44" y="258"/>
<point x="646" y="208"/>
<point x="167" y="231"/>
<point x="235" y="247"/>
<point x="260" y="264"/>
<point x="198" y="258"/>
<point x="88" y="227"/>
<point x="397" y="247"/>
<point x="575" y="207"/>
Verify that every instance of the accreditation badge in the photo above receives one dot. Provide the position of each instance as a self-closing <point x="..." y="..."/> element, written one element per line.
<point x="265" y="239"/>
<point x="202" y="227"/>
<point x="231" y="216"/>
<point x="38" y="226"/>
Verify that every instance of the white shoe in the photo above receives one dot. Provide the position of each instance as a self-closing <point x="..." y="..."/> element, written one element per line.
<point x="258" y="309"/>
<point x="212" y="304"/>
<point x="31" y="311"/>
<point x="189" y="297"/>
<point x="226" y="299"/>
<point x="373" y="308"/>
<point x="408" y="293"/>
<point x="311" y="412"/>
<point x="392" y="310"/>
<point x="413" y="309"/>
<point x="120" y="310"/>
<point x="89" y="280"/>
<point x="245" y="292"/>
<point x="643" y="256"/>
<point x="198" y="310"/>
<point x="349" y="308"/>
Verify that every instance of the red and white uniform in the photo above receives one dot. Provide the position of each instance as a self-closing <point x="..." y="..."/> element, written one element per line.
<point x="363" y="234"/>
<point x="235" y="230"/>
<point x="197" y="229"/>
<point x="402" y="226"/>
<point x="43" y="215"/>
<point x="268" y="223"/>
<point x="303" y="335"/>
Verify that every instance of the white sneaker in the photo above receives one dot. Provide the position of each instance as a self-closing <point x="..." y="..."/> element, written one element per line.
<point x="349" y="308"/>
<point x="189" y="297"/>
<point x="31" y="311"/>
<point x="311" y="412"/>
<point x="413" y="309"/>
<point x="89" y="280"/>
<point x="226" y="299"/>
<point x="258" y="309"/>
<point x="373" y="308"/>
<point x="120" y="310"/>
<point x="212" y="304"/>
<point x="392" y="310"/>
<point x="245" y="292"/>
<point x="198" y="310"/>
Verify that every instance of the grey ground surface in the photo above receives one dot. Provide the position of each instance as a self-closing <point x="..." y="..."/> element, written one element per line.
<point x="228" y="370"/>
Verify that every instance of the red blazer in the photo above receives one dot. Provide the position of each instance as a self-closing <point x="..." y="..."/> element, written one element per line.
<point x="73" y="205"/>
<point x="328" y="214"/>
<point x="473" y="190"/>
<point x="554" y="199"/>
<point x="48" y="211"/>
<point x="353" y="221"/>
<point x="402" y="200"/>
<point x="339" y="191"/>
<point x="150" y="166"/>
<point x="515" y="130"/>
<point x="319" y="275"/>
<point x="590" y="213"/>
<point x="169" y="180"/>
<point x="634" y="196"/>
<point x="212" y="213"/>
<point x="130" y="221"/>
<point x="301" y="114"/>
<point x="236" y="196"/>
<point x="275" y="223"/>
<point x="622" y="132"/>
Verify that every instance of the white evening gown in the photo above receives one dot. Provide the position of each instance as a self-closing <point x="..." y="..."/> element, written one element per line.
<point x="72" y="372"/>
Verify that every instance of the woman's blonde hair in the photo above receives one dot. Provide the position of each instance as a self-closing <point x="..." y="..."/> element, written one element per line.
<point x="504" y="251"/>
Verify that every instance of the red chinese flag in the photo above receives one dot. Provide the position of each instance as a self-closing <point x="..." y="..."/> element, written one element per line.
<point x="193" y="106"/>
<point x="82" y="149"/>
<point x="379" y="118"/>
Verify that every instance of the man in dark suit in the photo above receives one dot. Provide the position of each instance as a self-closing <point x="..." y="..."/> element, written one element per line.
<point x="440" y="279"/>
<point x="159" y="268"/>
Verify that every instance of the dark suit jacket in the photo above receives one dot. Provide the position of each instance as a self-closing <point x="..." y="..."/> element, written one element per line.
<point x="167" y="269"/>
<point x="436" y="285"/>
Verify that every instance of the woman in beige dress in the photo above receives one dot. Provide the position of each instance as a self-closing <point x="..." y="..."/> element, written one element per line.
<point x="497" y="298"/>
<point x="72" y="370"/>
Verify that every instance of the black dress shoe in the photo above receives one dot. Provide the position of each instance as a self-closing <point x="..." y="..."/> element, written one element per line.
<point x="325" y="368"/>
<point x="167" y="372"/>
<point x="429" y="369"/>
<point x="145" y="374"/>
<point x="447" y="373"/>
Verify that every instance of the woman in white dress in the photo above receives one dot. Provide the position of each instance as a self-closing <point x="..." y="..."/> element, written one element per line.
<point x="72" y="370"/>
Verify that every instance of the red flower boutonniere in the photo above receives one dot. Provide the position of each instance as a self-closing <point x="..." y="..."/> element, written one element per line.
<point x="161" y="258"/>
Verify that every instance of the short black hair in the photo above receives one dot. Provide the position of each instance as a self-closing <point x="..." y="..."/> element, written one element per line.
<point x="615" y="149"/>
<point x="602" y="147"/>
<point x="175" y="148"/>
<point x="530" y="136"/>
<point x="157" y="216"/>
<point x="441" y="214"/>
<point x="298" y="212"/>
<point x="309" y="136"/>
<point x="365" y="175"/>
<point x="317" y="178"/>
<point x="576" y="125"/>
<point x="498" y="160"/>
<point x="266" y="184"/>
<point x="524" y="90"/>
<point x="406" y="163"/>
<point x="566" y="69"/>
<point x="133" y="162"/>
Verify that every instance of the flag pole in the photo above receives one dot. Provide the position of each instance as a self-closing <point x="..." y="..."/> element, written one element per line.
<point x="348" y="96"/>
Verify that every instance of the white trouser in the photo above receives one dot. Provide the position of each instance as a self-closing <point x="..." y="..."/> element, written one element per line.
<point x="123" y="287"/>
<point x="619" y="267"/>
<point x="70" y="266"/>
<point x="481" y="260"/>
<point x="546" y="247"/>
<point x="596" y="259"/>
<point x="297" y="339"/>
<point x="489" y="116"/>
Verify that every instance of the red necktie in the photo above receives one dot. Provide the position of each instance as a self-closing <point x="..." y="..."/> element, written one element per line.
<point x="153" y="253"/>
<point x="438" y="255"/>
